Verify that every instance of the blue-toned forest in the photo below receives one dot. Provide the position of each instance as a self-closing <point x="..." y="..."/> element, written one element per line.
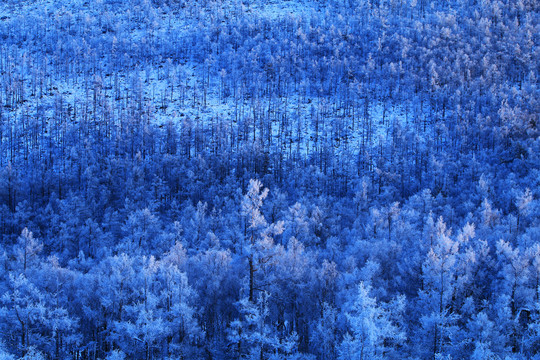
<point x="301" y="179"/>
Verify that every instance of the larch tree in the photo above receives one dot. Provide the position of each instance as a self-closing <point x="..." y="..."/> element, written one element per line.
<point x="259" y="247"/>
<point x="439" y="286"/>
<point x="371" y="328"/>
<point x="27" y="249"/>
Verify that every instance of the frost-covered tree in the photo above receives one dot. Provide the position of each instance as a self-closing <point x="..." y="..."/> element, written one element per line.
<point x="127" y="129"/>
<point x="371" y="328"/>
<point x="259" y="245"/>
<point x="177" y="306"/>
<point x="27" y="249"/>
<point x="325" y="333"/>
<point x="440" y="276"/>
<point x="253" y="337"/>
<point x="24" y="310"/>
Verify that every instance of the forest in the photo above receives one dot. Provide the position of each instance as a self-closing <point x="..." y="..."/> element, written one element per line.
<point x="264" y="179"/>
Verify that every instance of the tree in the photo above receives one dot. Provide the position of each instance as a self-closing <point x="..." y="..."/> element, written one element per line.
<point x="199" y="224"/>
<point x="23" y="309"/>
<point x="27" y="249"/>
<point x="325" y="333"/>
<point x="489" y="215"/>
<point x="4" y="354"/>
<point x="177" y="302"/>
<point x="260" y="246"/>
<point x="484" y="337"/>
<point x="60" y="324"/>
<point x="297" y="224"/>
<point x="372" y="329"/>
<point x="142" y="228"/>
<point x="515" y="274"/>
<point x="252" y="337"/>
<point x="216" y="284"/>
<point x="112" y="283"/>
<point x="439" y="286"/>
<point x="145" y="329"/>
<point x="523" y="202"/>
<point x="532" y="345"/>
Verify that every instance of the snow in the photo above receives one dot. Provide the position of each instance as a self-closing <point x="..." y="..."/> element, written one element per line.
<point x="280" y="9"/>
<point x="335" y="128"/>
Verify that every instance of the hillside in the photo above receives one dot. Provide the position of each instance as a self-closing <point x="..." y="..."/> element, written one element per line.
<point x="269" y="179"/>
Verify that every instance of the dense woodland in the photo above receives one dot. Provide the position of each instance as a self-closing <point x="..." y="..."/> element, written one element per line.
<point x="222" y="179"/>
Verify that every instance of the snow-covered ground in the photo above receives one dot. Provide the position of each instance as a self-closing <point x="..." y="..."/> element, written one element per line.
<point x="277" y="9"/>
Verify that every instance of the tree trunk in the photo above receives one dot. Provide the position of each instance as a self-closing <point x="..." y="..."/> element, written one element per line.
<point x="251" y="274"/>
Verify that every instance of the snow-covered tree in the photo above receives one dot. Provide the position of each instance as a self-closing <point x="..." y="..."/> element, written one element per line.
<point x="371" y="328"/>
<point x="259" y="246"/>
